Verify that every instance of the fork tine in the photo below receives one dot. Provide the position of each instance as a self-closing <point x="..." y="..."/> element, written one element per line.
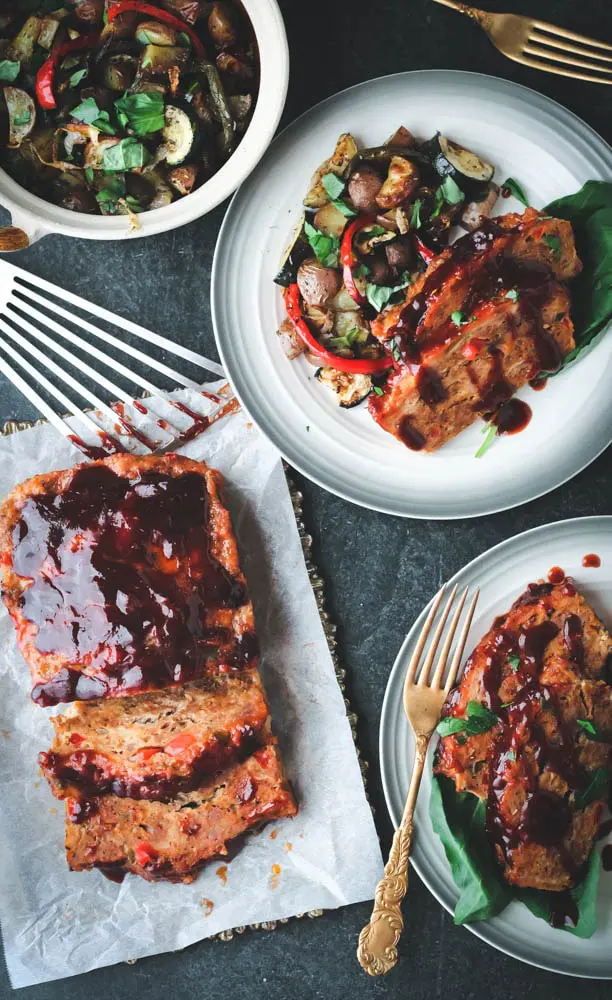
<point x="555" y="56"/>
<point x="556" y="43"/>
<point x="572" y="35"/>
<point x="456" y="661"/>
<point x="551" y="68"/>
<point x="416" y="656"/>
<point x="441" y="664"/>
<point x="425" y="669"/>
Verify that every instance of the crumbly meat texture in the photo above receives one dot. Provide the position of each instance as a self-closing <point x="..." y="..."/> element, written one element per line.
<point x="122" y="575"/>
<point x="507" y="288"/>
<point x="541" y="668"/>
<point x="171" y="841"/>
<point x="156" y="745"/>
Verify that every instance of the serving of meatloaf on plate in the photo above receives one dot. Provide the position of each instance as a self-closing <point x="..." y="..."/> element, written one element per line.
<point x="543" y="761"/>
<point x="490" y="313"/>
<point x="123" y="580"/>
<point x="122" y="575"/>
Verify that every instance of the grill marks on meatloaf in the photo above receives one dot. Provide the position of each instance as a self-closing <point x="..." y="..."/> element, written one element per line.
<point x="541" y="668"/>
<point x="156" y="745"/>
<point x="450" y="373"/>
<point x="172" y="841"/>
<point x="123" y="580"/>
<point x="115" y="585"/>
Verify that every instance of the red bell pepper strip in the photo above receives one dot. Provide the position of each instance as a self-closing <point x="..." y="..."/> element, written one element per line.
<point x="138" y="7"/>
<point x="45" y="77"/>
<point x="347" y="257"/>
<point x="427" y="254"/>
<point x="365" y="366"/>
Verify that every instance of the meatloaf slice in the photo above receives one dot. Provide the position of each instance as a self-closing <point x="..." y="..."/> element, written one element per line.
<point x="488" y="315"/>
<point x="171" y="841"/>
<point x="153" y="746"/>
<point x="122" y="575"/>
<point x="544" y="671"/>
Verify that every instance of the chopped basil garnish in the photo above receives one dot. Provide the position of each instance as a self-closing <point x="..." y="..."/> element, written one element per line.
<point x="415" y="219"/>
<point x="127" y="154"/>
<point x="89" y="113"/>
<point x="491" y="434"/>
<point x="334" y="188"/>
<point x="554" y="244"/>
<point x="143" y="113"/>
<point x="76" y="77"/>
<point x="326" y="248"/>
<point x="596" y="789"/>
<point x="512" y="294"/>
<point x="451" y="191"/>
<point x="515" y="189"/>
<point x="378" y="390"/>
<point x="89" y="174"/>
<point x="457" y="318"/>
<point x="379" y="295"/>
<point x="22" y="119"/>
<point x="479" y="719"/>
<point x="515" y="662"/>
<point x="591" y="731"/>
<point x="9" y="70"/>
<point x="108" y="197"/>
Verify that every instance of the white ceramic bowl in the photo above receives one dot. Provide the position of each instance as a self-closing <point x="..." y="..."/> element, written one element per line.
<point x="38" y="218"/>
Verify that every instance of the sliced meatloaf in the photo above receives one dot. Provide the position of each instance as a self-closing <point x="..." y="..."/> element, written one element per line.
<point x="122" y="575"/>
<point x="155" y="745"/>
<point x="172" y="841"/>
<point x="489" y="314"/>
<point x="544" y="671"/>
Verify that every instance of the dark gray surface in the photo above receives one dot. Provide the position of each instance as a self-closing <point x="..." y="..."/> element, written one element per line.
<point x="379" y="570"/>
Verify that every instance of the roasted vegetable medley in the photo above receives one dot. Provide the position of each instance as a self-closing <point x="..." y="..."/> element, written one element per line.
<point x="115" y="107"/>
<point x="373" y="219"/>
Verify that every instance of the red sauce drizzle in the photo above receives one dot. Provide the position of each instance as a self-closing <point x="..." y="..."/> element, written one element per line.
<point x="98" y="596"/>
<point x="556" y="575"/>
<point x="591" y="561"/>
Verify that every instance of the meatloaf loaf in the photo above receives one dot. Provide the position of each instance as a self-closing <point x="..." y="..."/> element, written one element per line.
<point x="172" y="840"/>
<point x="122" y="575"/>
<point x="489" y="314"/>
<point x="542" y="763"/>
<point x="155" y="745"/>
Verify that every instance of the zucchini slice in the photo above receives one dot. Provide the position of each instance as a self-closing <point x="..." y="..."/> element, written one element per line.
<point x="350" y="389"/>
<point x="179" y="135"/>
<point x="297" y="252"/>
<point x="22" y="115"/>
<point x="465" y="167"/>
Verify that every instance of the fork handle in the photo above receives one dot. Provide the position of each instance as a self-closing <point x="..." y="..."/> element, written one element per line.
<point x="482" y="17"/>
<point x="377" y="948"/>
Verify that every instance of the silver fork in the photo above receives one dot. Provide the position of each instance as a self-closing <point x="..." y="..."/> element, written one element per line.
<point x="542" y="45"/>
<point x="423" y="701"/>
<point x="34" y="326"/>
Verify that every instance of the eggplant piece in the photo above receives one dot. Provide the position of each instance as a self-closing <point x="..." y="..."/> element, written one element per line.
<point x="220" y="105"/>
<point x="22" y="46"/>
<point x="330" y="221"/>
<point x="221" y="26"/>
<point x="155" y="33"/>
<point x="119" y="71"/>
<point x="234" y="67"/>
<point x="350" y="389"/>
<point x="163" y="194"/>
<point x="22" y="115"/>
<point x="179" y="135"/>
<point x="402" y="139"/>
<point x="474" y="211"/>
<point x="339" y="164"/>
<point x="465" y="167"/>
<point x="403" y="179"/>
<point x="297" y="251"/>
<point x="240" y="105"/>
<point x="158" y="60"/>
<point x="183" y="178"/>
<point x="291" y="342"/>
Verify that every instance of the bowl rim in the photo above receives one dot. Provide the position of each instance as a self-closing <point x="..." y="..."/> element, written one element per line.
<point x="39" y="217"/>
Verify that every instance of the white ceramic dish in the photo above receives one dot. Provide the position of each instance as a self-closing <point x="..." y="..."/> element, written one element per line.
<point x="37" y="218"/>
<point x="502" y="573"/>
<point x="527" y="136"/>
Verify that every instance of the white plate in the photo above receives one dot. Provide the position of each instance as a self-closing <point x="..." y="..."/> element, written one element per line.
<point x="527" y="136"/>
<point x="502" y="573"/>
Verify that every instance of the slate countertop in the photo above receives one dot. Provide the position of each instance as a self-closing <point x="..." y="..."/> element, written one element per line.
<point x="379" y="570"/>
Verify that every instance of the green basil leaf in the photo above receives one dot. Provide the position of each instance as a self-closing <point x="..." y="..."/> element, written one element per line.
<point x="554" y="242"/>
<point x="451" y="191"/>
<point x="143" y="113"/>
<point x="77" y="77"/>
<point x="415" y="219"/>
<point x="378" y="391"/>
<point x="89" y="113"/>
<point x="128" y="154"/>
<point x="344" y="208"/>
<point x="457" y="318"/>
<point x="515" y="189"/>
<point x="333" y="185"/>
<point x="325" y="248"/>
<point x="379" y="295"/>
<point x="596" y="789"/>
<point x="512" y="294"/>
<point x="9" y="70"/>
<point x="450" y="725"/>
<point x="89" y="174"/>
<point x="108" y="197"/>
<point x="514" y="661"/>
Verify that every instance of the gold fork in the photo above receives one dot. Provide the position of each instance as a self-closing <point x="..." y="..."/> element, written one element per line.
<point x="423" y="701"/>
<point x="541" y="45"/>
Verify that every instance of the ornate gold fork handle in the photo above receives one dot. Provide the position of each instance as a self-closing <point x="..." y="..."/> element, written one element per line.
<point x="377" y="948"/>
<point x="482" y="17"/>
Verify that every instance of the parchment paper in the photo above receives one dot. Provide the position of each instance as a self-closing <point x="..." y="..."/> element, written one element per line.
<point x="57" y="923"/>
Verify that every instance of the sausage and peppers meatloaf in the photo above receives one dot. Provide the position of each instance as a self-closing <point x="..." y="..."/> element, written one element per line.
<point x="123" y="581"/>
<point x="543" y="760"/>
<point x="490" y="313"/>
<point x="122" y="575"/>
